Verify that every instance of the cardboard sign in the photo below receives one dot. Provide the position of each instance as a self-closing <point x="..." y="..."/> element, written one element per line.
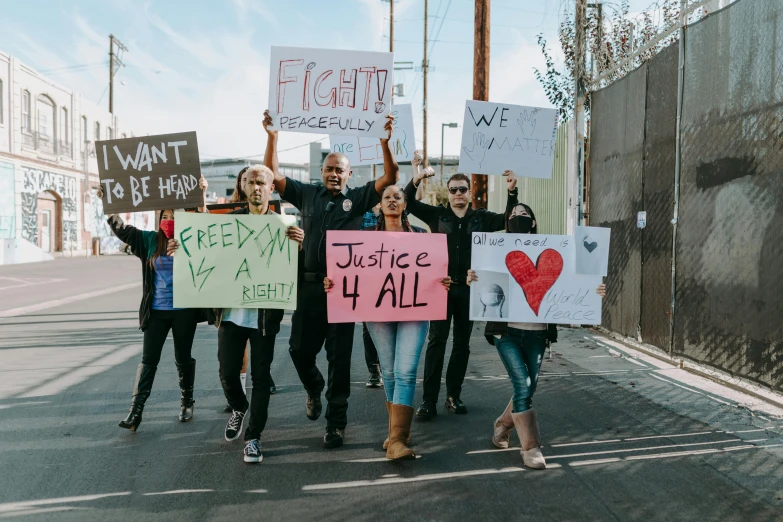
<point x="234" y="261"/>
<point x="592" y="250"/>
<point x="531" y="279"/>
<point x="369" y="151"/>
<point x="386" y="276"/>
<point x="497" y="137"/>
<point x="327" y="91"/>
<point x="150" y="173"/>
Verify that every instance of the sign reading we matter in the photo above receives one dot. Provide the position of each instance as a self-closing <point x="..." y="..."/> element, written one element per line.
<point x="386" y="276"/>
<point x="150" y="173"/>
<point x="369" y="151"/>
<point x="497" y="137"/>
<point x="531" y="278"/>
<point x="234" y="261"/>
<point x="329" y="91"/>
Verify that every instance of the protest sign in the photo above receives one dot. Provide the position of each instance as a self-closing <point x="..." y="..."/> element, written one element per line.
<point x="327" y="91"/>
<point x="497" y="137"/>
<point x="386" y="276"/>
<point x="234" y="261"/>
<point x="592" y="250"/>
<point x="368" y="151"/>
<point x="531" y="279"/>
<point x="150" y="173"/>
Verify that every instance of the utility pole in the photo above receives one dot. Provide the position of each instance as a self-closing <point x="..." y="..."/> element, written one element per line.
<point x="114" y="59"/>
<point x="579" y="104"/>
<point x="391" y="26"/>
<point x="480" y="85"/>
<point x="424" y="67"/>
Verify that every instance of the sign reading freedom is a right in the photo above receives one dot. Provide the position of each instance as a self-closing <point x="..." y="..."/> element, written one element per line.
<point x="386" y="276"/>
<point x="234" y="261"/>
<point x="329" y="91"/>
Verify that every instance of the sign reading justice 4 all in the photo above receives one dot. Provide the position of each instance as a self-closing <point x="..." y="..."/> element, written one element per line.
<point x="150" y="173"/>
<point x="234" y="261"/>
<point x="386" y="276"/>
<point x="328" y="91"/>
<point x="531" y="279"/>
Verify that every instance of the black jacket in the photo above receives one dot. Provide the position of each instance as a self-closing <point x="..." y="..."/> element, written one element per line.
<point x="269" y="319"/>
<point x="142" y="244"/>
<point x="458" y="230"/>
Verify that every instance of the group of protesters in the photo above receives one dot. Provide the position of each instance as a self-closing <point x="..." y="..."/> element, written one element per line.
<point x="392" y="349"/>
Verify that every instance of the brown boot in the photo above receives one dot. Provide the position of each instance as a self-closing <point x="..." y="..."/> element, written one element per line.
<point x="527" y="428"/>
<point x="388" y="413"/>
<point x="399" y="433"/>
<point x="503" y="426"/>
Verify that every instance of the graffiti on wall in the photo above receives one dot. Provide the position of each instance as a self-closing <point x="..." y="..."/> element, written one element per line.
<point x="35" y="181"/>
<point x="7" y="207"/>
<point x="100" y="229"/>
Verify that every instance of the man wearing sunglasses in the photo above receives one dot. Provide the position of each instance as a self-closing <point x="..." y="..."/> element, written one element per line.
<point x="458" y="221"/>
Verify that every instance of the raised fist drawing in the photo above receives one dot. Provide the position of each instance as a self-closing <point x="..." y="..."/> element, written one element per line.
<point x="527" y="122"/>
<point x="479" y="150"/>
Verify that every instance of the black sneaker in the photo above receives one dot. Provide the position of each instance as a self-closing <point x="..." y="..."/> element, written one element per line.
<point x="454" y="405"/>
<point x="234" y="425"/>
<point x="333" y="438"/>
<point x="426" y="411"/>
<point x="313" y="407"/>
<point x="253" y="451"/>
<point x="375" y="380"/>
<point x="272" y="387"/>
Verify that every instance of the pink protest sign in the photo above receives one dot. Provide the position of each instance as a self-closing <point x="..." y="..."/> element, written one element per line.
<point x="386" y="276"/>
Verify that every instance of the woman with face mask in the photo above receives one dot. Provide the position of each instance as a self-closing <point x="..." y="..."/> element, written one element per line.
<point x="157" y="314"/>
<point x="521" y="347"/>
<point x="399" y="344"/>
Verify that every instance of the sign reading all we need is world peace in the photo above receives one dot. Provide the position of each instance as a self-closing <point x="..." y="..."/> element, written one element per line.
<point x="234" y="261"/>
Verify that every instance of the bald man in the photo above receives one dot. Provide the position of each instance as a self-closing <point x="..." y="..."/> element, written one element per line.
<point x="331" y="206"/>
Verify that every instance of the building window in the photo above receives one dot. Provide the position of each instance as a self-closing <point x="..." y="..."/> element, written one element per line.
<point x="97" y="131"/>
<point x="64" y="136"/>
<point x="109" y="133"/>
<point x="85" y="138"/>
<point x="2" y="98"/>
<point x="26" y="123"/>
<point x="45" y="118"/>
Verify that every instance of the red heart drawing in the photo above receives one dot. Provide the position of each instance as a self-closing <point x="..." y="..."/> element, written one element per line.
<point x="535" y="280"/>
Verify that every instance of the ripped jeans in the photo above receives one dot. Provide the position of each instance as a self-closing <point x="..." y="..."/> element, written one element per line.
<point x="522" y="352"/>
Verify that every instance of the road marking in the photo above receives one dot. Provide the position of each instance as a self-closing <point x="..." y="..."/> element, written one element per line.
<point x="629" y="450"/>
<point x="379" y="459"/>
<point x="257" y="491"/>
<point x="179" y="492"/>
<point x="671" y="436"/>
<point x="669" y="455"/>
<point x="17" y="404"/>
<point x="21" y="283"/>
<point x="401" y="480"/>
<point x="689" y="389"/>
<point x="14" y="506"/>
<point x="15" y="312"/>
<point x="583" y="443"/>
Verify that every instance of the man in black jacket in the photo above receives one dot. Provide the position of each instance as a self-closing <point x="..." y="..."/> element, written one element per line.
<point x="458" y="221"/>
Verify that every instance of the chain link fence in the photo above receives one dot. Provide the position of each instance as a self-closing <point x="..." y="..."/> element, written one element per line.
<point x="728" y="311"/>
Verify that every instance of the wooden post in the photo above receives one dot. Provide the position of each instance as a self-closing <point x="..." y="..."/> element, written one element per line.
<point x="480" y="85"/>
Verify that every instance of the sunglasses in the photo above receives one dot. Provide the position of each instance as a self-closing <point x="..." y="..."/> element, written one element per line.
<point x="461" y="190"/>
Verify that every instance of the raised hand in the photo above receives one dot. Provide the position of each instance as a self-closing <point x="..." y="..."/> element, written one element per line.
<point x="511" y="179"/>
<point x="479" y="150"/>
<point x="268" y="123"/>
<point x="424" y="174"/>
<point x="417" y="158"/>
<point x="203" y="183"/>
<point x="388" y="127"/>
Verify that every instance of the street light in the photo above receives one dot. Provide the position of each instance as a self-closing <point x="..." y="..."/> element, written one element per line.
<point x="442" y="128"/>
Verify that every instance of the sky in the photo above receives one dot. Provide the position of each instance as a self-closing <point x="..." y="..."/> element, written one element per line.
<point x="203" y="65"/>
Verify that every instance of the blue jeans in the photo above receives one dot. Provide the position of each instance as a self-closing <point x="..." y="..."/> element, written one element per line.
<point x="399" y="347"/>
<point x="522" y="352"/>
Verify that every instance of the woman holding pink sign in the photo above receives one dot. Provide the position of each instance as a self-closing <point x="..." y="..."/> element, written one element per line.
<point x="521" y="347"/>
<point x="399" y="343"/>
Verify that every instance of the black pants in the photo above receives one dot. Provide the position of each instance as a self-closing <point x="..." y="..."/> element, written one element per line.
<point x="459" y="309"/>
<point x="309" y="332"/>
<point x="182" y="323"/>
<point x="232" y="340"/>
<point x="370" y="353"/>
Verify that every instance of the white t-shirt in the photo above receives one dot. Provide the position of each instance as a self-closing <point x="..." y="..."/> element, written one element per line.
<point x="539" y="327"/>
<point x="245" y="317"/>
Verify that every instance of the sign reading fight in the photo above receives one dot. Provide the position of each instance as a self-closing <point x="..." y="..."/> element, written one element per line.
<point x="386" y="276"/>
<point x="234" y="261"/>
<point x="368" y="151"/>
<point x="330" y="91"/>
<point x="150" y="173"/>
<point x="531" y="279"/>
<point x="497" y="137"/>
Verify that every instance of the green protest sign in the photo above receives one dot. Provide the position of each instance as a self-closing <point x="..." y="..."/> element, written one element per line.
<point x="234" y="261"/>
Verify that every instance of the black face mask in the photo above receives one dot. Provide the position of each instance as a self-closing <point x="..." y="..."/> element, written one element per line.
<point x="520" y="224"/>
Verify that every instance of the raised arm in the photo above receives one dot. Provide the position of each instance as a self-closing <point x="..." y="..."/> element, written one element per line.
<point x="270" y="156"/>
<point x="130" y="235"/>
<point x="498" y="221"/>
<point x="423" y="211"/>
<point x="391" y="171"/>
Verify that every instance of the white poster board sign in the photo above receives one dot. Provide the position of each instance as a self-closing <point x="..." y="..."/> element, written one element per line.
<point x="368" y="151"/>
<point x="497" y="137"/>
<point x="592" y="250"/>
<point x="327" y="91"/>
<point x="531" y="279"/>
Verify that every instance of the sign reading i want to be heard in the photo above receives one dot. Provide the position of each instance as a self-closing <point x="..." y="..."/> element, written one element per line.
<point x="150" y="173"/>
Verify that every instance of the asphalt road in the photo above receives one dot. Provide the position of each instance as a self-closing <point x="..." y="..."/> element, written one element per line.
<point x="626" y="438"/>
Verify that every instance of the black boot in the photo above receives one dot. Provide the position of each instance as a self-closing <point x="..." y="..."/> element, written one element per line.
<point x="187" y="375"/>
<point x="145" y="375"/>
